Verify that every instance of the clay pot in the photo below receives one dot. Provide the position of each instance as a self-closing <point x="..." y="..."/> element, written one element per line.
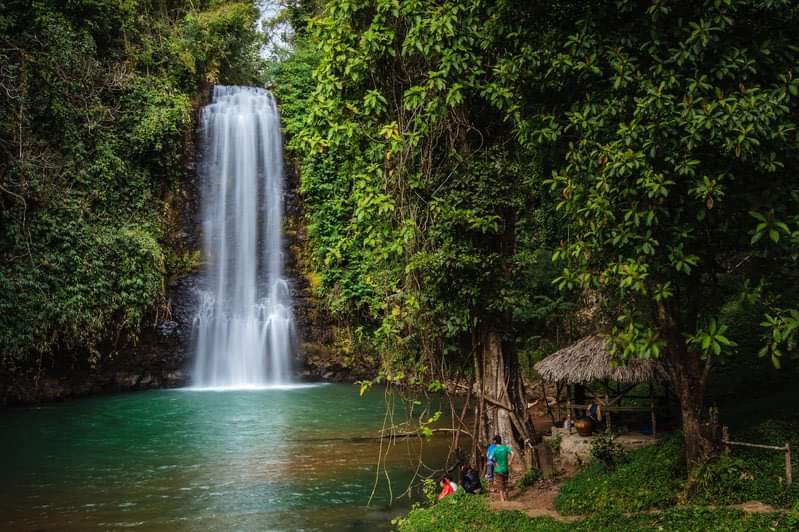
<point x="584" y="426"/>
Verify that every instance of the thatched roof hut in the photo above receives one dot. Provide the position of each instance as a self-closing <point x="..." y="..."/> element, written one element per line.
<point x="589" y="360"/>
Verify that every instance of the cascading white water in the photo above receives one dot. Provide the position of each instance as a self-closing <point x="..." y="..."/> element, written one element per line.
<point x="245" y="324"/>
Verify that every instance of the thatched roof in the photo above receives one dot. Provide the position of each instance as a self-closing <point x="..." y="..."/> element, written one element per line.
<point x="588" y="360"/>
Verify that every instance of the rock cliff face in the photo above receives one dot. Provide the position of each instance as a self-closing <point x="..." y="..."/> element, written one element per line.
<point x="320" y="355"/>
<point x="158" y="359"/>
<point x="161" y="358"/>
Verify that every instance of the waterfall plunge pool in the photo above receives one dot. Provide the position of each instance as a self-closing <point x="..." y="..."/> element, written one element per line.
<point x="268" y="459"/>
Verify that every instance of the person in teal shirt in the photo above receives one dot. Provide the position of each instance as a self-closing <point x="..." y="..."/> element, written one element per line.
<point x="503" y="456"/>
<point x="490" y="463"/>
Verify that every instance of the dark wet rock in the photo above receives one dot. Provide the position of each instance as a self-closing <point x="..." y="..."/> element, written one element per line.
<point x="162" y="355"/>
<point x="168" y="328"/>
<point x="161" y="352"/>
<point x="318" y="357"/>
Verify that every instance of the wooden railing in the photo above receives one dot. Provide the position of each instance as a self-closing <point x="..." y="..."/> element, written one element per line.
<point x="725" y="439"/>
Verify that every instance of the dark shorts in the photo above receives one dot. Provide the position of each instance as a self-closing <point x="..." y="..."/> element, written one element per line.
<point x="502" y="478"/>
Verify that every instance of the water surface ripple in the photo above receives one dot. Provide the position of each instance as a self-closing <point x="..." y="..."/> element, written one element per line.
<point x="269" y="459"/>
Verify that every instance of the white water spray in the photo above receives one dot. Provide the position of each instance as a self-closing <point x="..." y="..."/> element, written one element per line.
<point x="245" y="324"/>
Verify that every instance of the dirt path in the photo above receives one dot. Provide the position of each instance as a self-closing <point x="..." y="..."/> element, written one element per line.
<point x="754" y="507"/>
<point x="537" y="501"/>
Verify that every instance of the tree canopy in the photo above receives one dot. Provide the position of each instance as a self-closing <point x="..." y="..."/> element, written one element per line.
<point x="449" y="150"/>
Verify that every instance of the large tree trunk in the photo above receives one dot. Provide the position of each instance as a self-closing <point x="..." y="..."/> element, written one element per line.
<point x="688" y="372"/>
<point x="701" y="433"/>
<point x="505" y="409"/>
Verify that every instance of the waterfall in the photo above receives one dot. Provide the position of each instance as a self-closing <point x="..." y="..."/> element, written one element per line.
<point x="244" y="326"/>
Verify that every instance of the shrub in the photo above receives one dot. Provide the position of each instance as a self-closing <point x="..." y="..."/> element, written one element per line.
<point x="717" y="482"/>
<point x="429" y="490"/>
<point x="605" y="450"/>
<point x="470" y="512"/>
<point x="554" y="442"/>
<point x="529" y="478"/>
<point x="792" y="520"/>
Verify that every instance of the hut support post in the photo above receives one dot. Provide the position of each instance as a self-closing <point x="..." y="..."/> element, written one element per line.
<point x="725" y="437"/>
<point x="607" y="413"/>
<point x="558" y="388"/>
<point x="546" y="401"/>
<point x="788" y="465"/>
<point x="652" y="409"/>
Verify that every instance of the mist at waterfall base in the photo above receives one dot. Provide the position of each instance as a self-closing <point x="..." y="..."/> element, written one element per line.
<point x="244" y="326"/>
<point x="301" y="459"/>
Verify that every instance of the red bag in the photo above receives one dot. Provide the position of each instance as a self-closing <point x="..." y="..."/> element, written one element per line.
<point x="447" y="489"/>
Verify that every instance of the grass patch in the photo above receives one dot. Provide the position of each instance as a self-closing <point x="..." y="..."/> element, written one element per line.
<point x="651" y="477"/>
<point x="469" y="513"/>
<point x="691" y="519"/>
<point x="462" y="512"/>
<point x="654" y="477"/>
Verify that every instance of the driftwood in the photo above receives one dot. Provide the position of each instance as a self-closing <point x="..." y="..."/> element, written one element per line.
<point x="411" y="433"/>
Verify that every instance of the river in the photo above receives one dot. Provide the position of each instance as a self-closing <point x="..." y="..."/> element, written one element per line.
<point x="292" y="458"/>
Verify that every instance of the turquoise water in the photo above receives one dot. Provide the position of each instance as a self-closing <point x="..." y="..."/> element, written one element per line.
<point x="281" y="459"/>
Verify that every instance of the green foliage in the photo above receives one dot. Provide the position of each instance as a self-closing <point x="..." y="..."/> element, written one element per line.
<point x="655" y="477"/>
<point x="528" y="479"/>
<point x="718" y="481"/>
<point x="793" y="518"/>
<point x="650" y="149"/>
<point x="677" y="151"/>
<point x="427" y="224"/>
<point x="216" y="45"/>
<point x="467" y="513"/>
<point x="448" y="149"/>
<point x="650" y="478"/>
<point x="606" y="451"/>
<point x="554" y="442"/>
<point x="430" y="490"/>
<point x="782" y="326"/>
<point x="688" y="519"/>
<point x="95" y="125"/>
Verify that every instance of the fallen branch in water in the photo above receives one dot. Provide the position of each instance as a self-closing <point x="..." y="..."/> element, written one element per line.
<point x="408" y="433"/>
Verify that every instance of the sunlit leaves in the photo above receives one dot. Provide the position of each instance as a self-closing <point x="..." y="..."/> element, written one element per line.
<point x="629" y="338"/>
<point x="781" y="335"/>
<point x="767" y="224"/>
<point x="659" y="134"/>
<point x="711" y="340"/>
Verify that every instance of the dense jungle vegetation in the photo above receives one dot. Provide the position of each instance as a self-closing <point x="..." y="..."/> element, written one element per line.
<point x="483" y="181"/>
<point x="96" y="127"/>
<point x="486" y="180"/>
